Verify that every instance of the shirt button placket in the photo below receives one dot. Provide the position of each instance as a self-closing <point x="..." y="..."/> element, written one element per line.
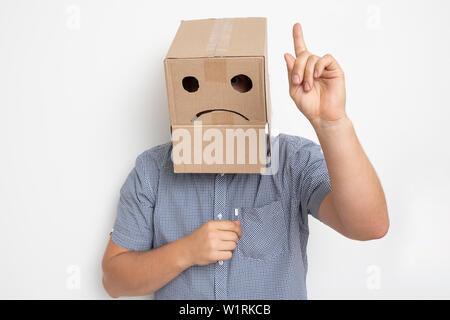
<point x="220" y="275"/>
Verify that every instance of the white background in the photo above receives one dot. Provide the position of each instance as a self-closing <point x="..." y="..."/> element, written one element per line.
<point x="82" y="93"/>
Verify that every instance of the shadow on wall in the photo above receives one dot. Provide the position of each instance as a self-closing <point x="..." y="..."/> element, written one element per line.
<point x="153" y="106"/>
<point x="150" y="126"/>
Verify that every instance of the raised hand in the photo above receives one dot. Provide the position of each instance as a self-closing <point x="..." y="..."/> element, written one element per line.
<point x="316" y="84"/>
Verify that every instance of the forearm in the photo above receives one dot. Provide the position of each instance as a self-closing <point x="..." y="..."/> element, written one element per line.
<point x="357" y="194"/>
<point x="141" y="273"/>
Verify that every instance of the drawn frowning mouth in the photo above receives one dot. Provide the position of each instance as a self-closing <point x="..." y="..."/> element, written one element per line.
<point x="199" y="114"/>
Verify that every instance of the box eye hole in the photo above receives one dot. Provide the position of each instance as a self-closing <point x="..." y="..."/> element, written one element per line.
<point x="241" y="83"/>
<point x="190" y="84"/>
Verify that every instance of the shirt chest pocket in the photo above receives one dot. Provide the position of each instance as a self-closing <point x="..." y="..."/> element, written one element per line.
<point x="264" y="232"/>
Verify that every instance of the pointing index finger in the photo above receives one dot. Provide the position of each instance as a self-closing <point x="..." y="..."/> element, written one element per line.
<point x="299" y="41"/>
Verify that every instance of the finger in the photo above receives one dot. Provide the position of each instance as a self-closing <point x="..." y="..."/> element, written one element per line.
<point x="308" y="80"/>
<point x="290" y="61"/>
<point x="228" y="236"/>
<point x="223" y="255"/>
<point x="327" y="62"/>
<point x="299" y="68"/>
<point x="226" y="246"/>
<point x="228" y="225"/>
<point x="299" y="41"/>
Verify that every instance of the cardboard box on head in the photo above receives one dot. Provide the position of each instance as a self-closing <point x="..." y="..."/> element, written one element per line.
<point x="218" y="94"/>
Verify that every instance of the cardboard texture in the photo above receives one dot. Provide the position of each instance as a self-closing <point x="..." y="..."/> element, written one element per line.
<point x="216" y="77"/>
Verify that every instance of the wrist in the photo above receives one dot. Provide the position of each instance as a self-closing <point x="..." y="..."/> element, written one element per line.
<point x="327" y="127"/>
<point x="183" y="253"/>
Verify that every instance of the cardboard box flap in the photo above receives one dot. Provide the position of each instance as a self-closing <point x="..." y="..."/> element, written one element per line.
<point x="231" y="149"/>
<point x="227" y="37"/>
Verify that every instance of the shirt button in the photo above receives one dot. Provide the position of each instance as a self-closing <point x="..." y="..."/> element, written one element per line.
<point x="220" y="262"/>
<point x="219" y="216"/>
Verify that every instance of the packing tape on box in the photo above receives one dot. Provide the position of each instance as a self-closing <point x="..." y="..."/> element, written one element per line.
<point x="215" y="70"/>
<point x="219" y="39"/>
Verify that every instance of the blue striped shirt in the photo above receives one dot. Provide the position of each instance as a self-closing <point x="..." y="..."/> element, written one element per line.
<point x="157" y="206"/>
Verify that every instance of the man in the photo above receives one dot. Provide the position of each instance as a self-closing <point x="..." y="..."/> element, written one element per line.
<point x="243" y="236"/>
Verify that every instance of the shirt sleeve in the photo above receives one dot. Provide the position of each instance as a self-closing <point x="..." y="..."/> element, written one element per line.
<point x="308" y="174"/>
<point x="133" y="228"/>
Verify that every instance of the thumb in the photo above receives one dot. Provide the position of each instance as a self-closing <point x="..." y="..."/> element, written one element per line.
<point x="290" y="61"/>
